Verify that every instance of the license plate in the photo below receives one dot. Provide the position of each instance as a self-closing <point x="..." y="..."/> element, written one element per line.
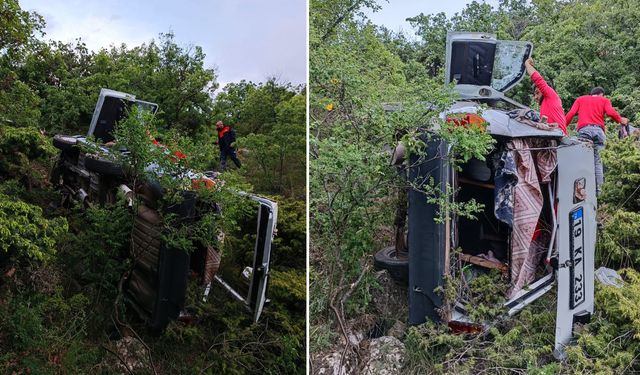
<point x="576" y="268"/>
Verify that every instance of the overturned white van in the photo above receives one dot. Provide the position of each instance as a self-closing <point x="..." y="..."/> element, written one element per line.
<point x="538" y="225"/>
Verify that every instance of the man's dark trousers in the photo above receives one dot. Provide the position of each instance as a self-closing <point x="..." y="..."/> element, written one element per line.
<point x="230" y="153"/>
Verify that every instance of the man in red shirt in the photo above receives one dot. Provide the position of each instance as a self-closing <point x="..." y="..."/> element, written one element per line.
<point x="591" y="110"/>
<point x="549" y="101"/>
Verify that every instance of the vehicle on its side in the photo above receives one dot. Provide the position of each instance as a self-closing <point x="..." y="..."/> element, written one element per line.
<point x="157" y="284"/>
<point x="537" y="228"/>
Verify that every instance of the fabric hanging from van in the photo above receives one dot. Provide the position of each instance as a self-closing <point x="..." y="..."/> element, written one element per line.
<point x="505" y="179"/>
<point x="532" y="168"/>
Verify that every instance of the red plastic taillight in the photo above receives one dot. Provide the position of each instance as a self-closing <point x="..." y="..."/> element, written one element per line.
<point x="464" y="327"/>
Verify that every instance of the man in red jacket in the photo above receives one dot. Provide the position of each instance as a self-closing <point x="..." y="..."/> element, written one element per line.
<point x="591" y="110"/>
<point x="226" y="141"/>
<point x="549" y="101"/>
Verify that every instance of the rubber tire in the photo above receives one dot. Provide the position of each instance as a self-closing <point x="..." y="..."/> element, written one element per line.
<point x="385" y="259"/>
<point x="64" y="143"/>
<point x="103" y="167"/>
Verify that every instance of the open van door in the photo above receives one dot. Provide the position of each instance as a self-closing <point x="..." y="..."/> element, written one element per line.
<point x="479" y="60"/>
<point x="112" y="107"/>
<point x="267" y="218"/>
<point x="254" y="295"/>
<point x="576" y="217"/>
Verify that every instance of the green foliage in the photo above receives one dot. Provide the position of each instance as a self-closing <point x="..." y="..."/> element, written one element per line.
<point x="486" y="295"/>
<point x="69" y="78"/>
<point x="619" y="241"/>
<point x="610" y="343"/>
<point x="25" y="233"/>
<point x="622" y="160"/>
<point x="48" y="330"/>
<point x="17" y="31"/>
<point x="24" y="153"/>
<point x="290" y="244"/>
<point x="18" y="103"/>
<point x="96" y="253"/>
<point x="278" y="158"/>
<point x="254" y="107"/>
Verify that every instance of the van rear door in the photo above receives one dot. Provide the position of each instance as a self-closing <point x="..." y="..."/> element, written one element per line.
<point x="576" y="236"/>
<point x="480" y="60"/>
<point x="267" y="219"/>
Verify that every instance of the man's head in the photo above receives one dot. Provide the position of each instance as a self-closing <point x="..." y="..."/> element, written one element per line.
<point x="597" y="91"/>
<point x="219" y="125"/>
<point x="537" y="95"/>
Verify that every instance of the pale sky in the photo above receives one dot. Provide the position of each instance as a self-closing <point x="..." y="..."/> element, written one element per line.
<point x="243" y="39"/>
<point x="394" y="12"/>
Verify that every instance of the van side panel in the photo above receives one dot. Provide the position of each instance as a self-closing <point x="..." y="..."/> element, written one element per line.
<point x="426" y="237"/>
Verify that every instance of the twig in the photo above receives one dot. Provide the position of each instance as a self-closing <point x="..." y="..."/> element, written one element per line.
<point x="340" y="312"/>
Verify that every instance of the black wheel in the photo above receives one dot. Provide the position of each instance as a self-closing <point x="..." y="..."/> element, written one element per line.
<point x="398" y="268"/>
<point x="64" y="142"/>
<point x="103" y="167"/>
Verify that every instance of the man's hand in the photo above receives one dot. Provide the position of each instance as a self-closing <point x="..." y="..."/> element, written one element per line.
<point x="624" y="121"/>
<point x="528" y="65"/>
<point x="529" y="62"/>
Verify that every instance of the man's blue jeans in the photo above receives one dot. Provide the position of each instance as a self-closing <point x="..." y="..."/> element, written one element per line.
<point x="595" y="134"/>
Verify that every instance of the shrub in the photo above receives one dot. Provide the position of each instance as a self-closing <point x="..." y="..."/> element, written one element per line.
<point x="289" y="245"/>
<point x="25" y="233"/>
<point x="24" y="153"/>
<point x="622" y="176"/>
<point x="619" y="240"/>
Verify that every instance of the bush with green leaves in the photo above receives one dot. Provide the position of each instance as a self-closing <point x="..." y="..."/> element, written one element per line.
<point x="622" y="175"/>
<point x="46" y="334"/>
<point x="25" y="154"/>
<point x="276" y="160"/>
<point x="290" y="243"/>
<point x="25" y="233"/>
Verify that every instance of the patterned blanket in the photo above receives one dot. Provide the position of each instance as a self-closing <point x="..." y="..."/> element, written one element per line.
<point x="528" y="202"/>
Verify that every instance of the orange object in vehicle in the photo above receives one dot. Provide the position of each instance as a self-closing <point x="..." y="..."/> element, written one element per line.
<point x="468" y="120"/>
<point x="198" y="183"/>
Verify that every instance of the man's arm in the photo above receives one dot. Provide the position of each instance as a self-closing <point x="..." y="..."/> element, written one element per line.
<point x="537" y="79"/>
<point x="572" y="112"/>
<point x="611" y="112"/>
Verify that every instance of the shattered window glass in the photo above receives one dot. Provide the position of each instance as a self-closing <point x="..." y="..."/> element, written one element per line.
<point x="508" y="65"/>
